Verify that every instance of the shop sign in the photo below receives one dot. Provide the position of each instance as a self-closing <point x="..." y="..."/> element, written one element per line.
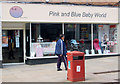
<point x="59" y="13"/>
<point x="78" y="14"/>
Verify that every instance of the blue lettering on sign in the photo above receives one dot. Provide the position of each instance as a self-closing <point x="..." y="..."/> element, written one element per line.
<point x="69" y="66"/>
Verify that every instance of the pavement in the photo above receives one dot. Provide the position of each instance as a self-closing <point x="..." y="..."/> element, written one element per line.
<point x="96" y="70"/>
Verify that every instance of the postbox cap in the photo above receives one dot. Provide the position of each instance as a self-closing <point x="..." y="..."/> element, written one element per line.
<point x="75" y="53"/>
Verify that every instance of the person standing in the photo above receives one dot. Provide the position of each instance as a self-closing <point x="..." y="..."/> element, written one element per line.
<point x="60" y="51"/>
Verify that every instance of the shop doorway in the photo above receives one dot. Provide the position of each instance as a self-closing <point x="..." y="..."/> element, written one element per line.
<point x="12" y="46"/>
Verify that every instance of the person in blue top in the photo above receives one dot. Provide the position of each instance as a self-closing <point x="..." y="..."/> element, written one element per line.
<point x="60" y="51"/>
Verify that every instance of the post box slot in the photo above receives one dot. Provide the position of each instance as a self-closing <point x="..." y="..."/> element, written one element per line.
<point x="77" y="57"/>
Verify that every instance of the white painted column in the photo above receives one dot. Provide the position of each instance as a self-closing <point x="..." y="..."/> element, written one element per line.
<point x="0" y="32"/>
<point x="92" y="36"/>
<point x="63" y="32"/>
<point x="0" y="41"/>
<point x="118" y="32"/>
<point x="24" y="46"/>
<point x="0" y="46"/>
<point x="30" y="40"/>
<point x="118" y="38"/>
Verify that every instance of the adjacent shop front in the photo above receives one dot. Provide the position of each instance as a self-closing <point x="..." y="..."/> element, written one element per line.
<point x="34" y="31"/>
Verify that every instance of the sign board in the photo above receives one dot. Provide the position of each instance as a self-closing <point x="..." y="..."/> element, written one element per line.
<point x="58" y="13"/>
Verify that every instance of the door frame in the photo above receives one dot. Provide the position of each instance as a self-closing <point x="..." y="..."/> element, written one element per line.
<point x="23" y="29"/>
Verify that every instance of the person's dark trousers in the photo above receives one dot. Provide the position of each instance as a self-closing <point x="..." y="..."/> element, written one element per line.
<point x="60" y="59"/>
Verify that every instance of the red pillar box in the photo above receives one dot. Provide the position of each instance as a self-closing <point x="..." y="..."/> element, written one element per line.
<point x="76" y="66"/>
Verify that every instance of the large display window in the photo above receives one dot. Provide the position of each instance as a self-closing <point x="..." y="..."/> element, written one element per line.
<point x="43" y="39"/>
<point x="91" y="38"/>
<point x="105" y="38"/>
<point x="85" y="37"/>
<point x="78" y="37"/>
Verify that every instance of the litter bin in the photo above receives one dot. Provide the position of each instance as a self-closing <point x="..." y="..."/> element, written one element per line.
<point x="75" y="66"/>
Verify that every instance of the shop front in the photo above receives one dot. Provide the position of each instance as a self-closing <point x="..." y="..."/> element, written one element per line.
<point x="86" y="29"/>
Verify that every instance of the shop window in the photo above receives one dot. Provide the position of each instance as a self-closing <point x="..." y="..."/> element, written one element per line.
<point x="50" y="32"/>
<point x="70" y="31"/>
<point x="105" y="39"/>
<point x="44" y="37"/>
<point x="85" y="38"/>
<point x="78" y="37"/>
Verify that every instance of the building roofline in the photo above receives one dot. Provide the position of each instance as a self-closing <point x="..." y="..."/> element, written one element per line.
<point x="66" y="3"/>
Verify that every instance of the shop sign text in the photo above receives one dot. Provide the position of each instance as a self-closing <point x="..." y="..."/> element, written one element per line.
<point x="76" y="14"/>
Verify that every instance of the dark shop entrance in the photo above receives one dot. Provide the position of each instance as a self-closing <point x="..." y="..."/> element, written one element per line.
<point x="12" y="46"/>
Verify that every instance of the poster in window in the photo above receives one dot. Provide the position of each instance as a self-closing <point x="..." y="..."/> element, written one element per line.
<point x="4" y="39"/>
<point x="17" y="35"/>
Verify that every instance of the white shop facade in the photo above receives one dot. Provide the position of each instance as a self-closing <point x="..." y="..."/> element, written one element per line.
<point x="30" y="31"/>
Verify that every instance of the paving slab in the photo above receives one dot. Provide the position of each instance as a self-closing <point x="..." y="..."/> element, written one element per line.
<point x="48" y="72"/>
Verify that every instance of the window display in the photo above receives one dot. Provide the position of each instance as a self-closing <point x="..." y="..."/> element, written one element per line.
<point x="97" y="39"/>
<point x="78" y="37"/>
<point x="85" y="37"/>
<point x="70" y="39"/>
<point x="44" y="37"/>
<point x="106" y="38"/>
